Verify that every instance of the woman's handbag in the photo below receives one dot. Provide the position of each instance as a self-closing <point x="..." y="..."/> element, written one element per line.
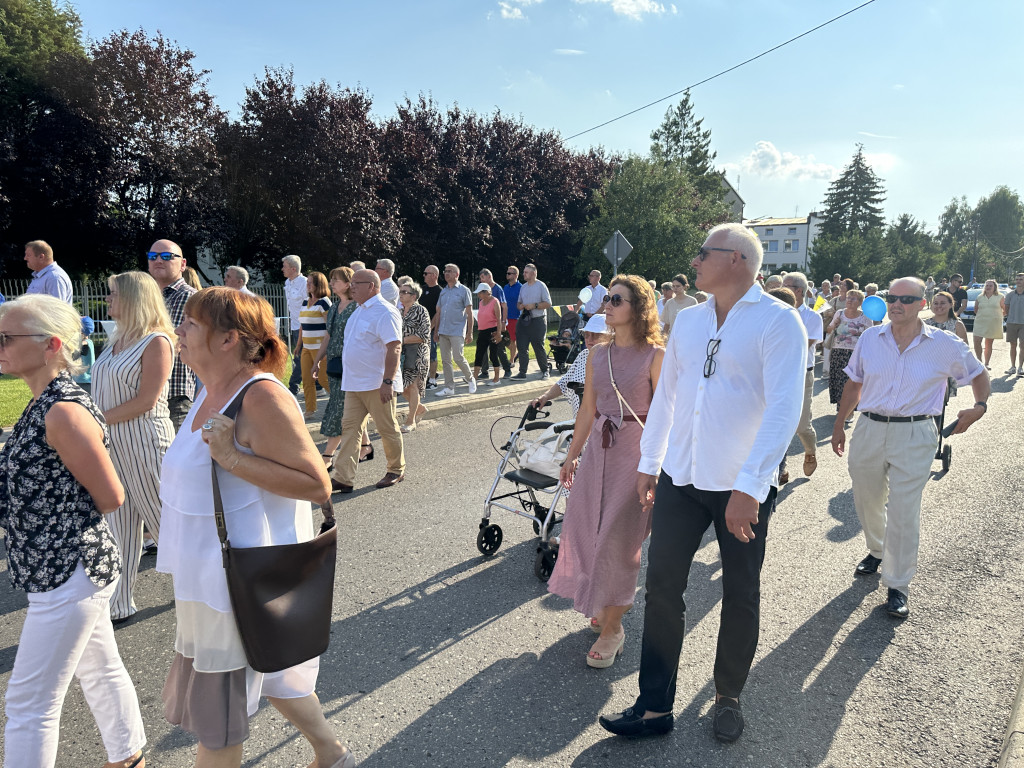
<point x="548" y="452"/>
<point x="282" y="594"/>
<point x="334" y="367"/>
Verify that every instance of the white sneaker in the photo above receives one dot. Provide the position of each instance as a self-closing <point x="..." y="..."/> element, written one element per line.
<point x="445" y="392"/>
<point x="472" y="386"/>
<point x="1012" y="370"/>
<point x="431" y="384"/>
<point x="490" y="383"/>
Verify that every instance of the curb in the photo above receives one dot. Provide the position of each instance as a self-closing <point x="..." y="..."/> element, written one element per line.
<point x="1012" y="753"/>
<point x="504" y="394"/>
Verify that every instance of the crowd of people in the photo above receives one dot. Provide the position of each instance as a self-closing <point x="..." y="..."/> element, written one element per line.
<point x="104" y="465"/>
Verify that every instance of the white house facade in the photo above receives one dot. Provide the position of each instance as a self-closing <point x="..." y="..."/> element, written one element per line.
<point x="785" y="241"/>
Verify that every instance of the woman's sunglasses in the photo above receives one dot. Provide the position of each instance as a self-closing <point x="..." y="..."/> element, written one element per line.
<point x="615" y="299"/>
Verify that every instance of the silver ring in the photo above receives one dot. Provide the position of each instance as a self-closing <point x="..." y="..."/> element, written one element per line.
<point x="207" y="426"/>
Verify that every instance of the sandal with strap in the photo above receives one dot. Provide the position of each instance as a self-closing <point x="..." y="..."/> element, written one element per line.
<point x="330" y="460"/>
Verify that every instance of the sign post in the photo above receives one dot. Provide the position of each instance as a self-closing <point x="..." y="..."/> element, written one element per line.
<point x="616" y="250"/>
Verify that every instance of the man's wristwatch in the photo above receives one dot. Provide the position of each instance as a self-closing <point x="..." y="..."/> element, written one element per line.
<point x="389" y="382"/>
<point x="984" y="406"/>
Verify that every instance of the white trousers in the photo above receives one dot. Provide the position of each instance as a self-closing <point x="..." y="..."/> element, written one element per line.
<point x="890" y="465"/>
<point x="68" y="632"/>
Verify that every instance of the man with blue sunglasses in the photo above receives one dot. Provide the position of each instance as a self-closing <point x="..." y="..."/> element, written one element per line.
<point x="166" y="264"/>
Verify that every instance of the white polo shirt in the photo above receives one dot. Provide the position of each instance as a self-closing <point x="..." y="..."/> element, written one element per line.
<point x="596" y="299"/>
<point x="727" y="431"/>
<point x="815" y="331"/>
<point x="371" y="327"/>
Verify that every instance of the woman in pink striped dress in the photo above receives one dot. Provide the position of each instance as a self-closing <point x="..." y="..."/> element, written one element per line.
<point x="605" y="526"/>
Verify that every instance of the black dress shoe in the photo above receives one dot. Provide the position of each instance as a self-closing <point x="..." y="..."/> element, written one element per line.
<point x="868" y="565"/>
<point x="728" y="720"/>
<point x="897" y="604"/>
<point x="337" y="487"/>
<point x="632" y="724"/>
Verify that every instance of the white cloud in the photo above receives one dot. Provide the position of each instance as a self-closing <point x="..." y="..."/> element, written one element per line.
<point x="898" y="87"/>
<point x="881" y="162"/>
<point x="634" y="9"/>
<point x="569" y="52"/>
<point x="876" y="135"/>
<point x="766" y="160"/>
<point x="513" y="9"/>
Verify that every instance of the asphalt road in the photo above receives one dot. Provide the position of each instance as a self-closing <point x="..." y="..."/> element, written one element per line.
<point x="442" y="658"/>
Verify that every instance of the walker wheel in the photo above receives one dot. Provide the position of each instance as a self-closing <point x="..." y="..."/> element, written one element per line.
<point x="947" y="457"/>
<point x="488" y="540"/>
<point x="544" y="562"/>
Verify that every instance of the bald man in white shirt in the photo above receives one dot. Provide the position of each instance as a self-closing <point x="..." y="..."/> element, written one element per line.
<point x="898" y="376"/>
<point x="709" y="456"/>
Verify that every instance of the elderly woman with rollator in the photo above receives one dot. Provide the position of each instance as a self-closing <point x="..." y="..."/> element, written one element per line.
<point x="605" y="525"/>
<point x="269" y="472"/>
<point x="57" y="483"/>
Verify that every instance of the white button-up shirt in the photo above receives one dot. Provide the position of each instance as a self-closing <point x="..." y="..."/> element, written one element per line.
<point x="911" y="383"/>
<point x="371" y="327"/>
<point x="389" y="290"/>
<point x="295" y="293"/>
<point x="815" y="330"/>
<point x="728" y="431"/>
<point x="596" y="299"/>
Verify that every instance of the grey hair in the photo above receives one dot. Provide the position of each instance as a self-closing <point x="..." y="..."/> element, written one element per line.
<point x="871" y="288"/>
<point x="486" y="271"/>
<point x="293" y="261"/>
<point x="455" y="267"/>
<point x="355" y="266"/>
<point x="915" y="280"/>
<point x="413" y="286"/>
<point x="742" y="239"/>
<point x="388" y="264"/>
<point x="800" y="280"/>
<point x="53" y="318"/>
<point x="772" y="282"/>
<point x="242" y="272"/>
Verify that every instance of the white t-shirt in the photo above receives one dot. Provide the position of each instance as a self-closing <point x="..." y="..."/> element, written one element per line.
<point x="370" y="328"/>
<point x="295" y="293"/>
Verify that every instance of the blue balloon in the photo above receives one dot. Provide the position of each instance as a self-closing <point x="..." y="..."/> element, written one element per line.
<point x="874" y="307"/>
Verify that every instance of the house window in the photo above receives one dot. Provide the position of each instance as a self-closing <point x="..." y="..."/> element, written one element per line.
<point x="792" y="231"/>
<point x="789" y="246"/>
<point x="770" y="246"/>
<point x="769" y="231"/>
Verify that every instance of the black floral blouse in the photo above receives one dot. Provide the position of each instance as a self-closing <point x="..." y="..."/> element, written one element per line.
<point x="50" y="521"/>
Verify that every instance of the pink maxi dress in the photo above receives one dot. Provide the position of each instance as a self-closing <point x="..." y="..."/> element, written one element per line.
<point x="604" y="526"/>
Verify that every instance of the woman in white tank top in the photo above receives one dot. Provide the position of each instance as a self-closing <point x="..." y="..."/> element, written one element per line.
<point x="270" y="471"/>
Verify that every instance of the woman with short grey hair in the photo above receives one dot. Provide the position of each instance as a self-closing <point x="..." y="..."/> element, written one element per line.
<point x="415" y="349"/>
<point x="57" y="484"/>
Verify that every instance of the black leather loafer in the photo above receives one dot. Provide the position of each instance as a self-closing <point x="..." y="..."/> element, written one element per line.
<point x="897" y="604"/>
<point x="728" y="720"/>
<point x="868" y="565"/>
<point x="631" y="723"/>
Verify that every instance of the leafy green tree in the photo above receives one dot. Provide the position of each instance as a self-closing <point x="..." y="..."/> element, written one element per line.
<point x="661" y="212"/>
<point x="854" y="200"/>
<point x="909" y="250"/>
<point x="957" y="237"/>
<point x="853" y="254"/>
<point x="1000" y="222"/>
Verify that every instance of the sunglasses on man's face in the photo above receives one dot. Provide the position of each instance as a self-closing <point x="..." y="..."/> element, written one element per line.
<point x="703" y="253"/>
<point x="165" y="255"/>
<point x="615" y="299"/>
<point x="892" y="298"/>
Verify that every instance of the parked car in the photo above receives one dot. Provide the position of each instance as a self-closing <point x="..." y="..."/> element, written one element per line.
<point x="972" y="294"/>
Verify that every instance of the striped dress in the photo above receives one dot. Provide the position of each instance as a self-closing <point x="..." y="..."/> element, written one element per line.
<point x="137" y="448"/>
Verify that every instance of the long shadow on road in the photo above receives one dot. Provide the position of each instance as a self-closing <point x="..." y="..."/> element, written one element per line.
<point x="794" y="702"/>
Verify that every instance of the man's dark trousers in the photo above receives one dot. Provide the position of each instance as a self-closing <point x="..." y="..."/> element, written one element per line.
<point x="681" y="516"/>
<point x="296" y="379"/>
<point x="532" y="335"/>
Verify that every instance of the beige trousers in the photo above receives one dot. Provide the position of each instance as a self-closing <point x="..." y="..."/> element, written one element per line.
<point x="890" y="465"/>
<point x="359" y="406"/>
<point x="805" y="430"/>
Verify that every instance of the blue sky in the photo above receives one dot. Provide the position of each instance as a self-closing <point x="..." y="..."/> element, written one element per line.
<point x="932" y="88"/>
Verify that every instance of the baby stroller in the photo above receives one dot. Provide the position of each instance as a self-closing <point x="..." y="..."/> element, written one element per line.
<point x="567" y="343"/>
<point x="531" y="462"/>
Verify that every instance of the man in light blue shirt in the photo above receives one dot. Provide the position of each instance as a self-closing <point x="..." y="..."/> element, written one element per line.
<point x="453" y="329"/>
<point x="47" y="276"/>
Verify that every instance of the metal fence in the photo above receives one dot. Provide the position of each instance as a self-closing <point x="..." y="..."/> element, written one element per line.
<point x="90" y="297"/>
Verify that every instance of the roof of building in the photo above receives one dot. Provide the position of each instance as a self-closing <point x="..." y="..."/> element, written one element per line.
<point x="770" y="222"/>
<point x="730" y="188"/>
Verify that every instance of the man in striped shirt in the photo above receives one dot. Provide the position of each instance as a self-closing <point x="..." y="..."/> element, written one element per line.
<point x="166" y="265"/>
<point x="898" y="375"/>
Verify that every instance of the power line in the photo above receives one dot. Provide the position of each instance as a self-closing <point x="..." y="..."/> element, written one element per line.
<point x="723" y="72"/>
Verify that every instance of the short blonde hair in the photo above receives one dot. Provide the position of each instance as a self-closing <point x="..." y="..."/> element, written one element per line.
<point x="55" y="319"/>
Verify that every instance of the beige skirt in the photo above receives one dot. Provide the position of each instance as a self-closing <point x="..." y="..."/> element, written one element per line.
<point x="209" y="705"/>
